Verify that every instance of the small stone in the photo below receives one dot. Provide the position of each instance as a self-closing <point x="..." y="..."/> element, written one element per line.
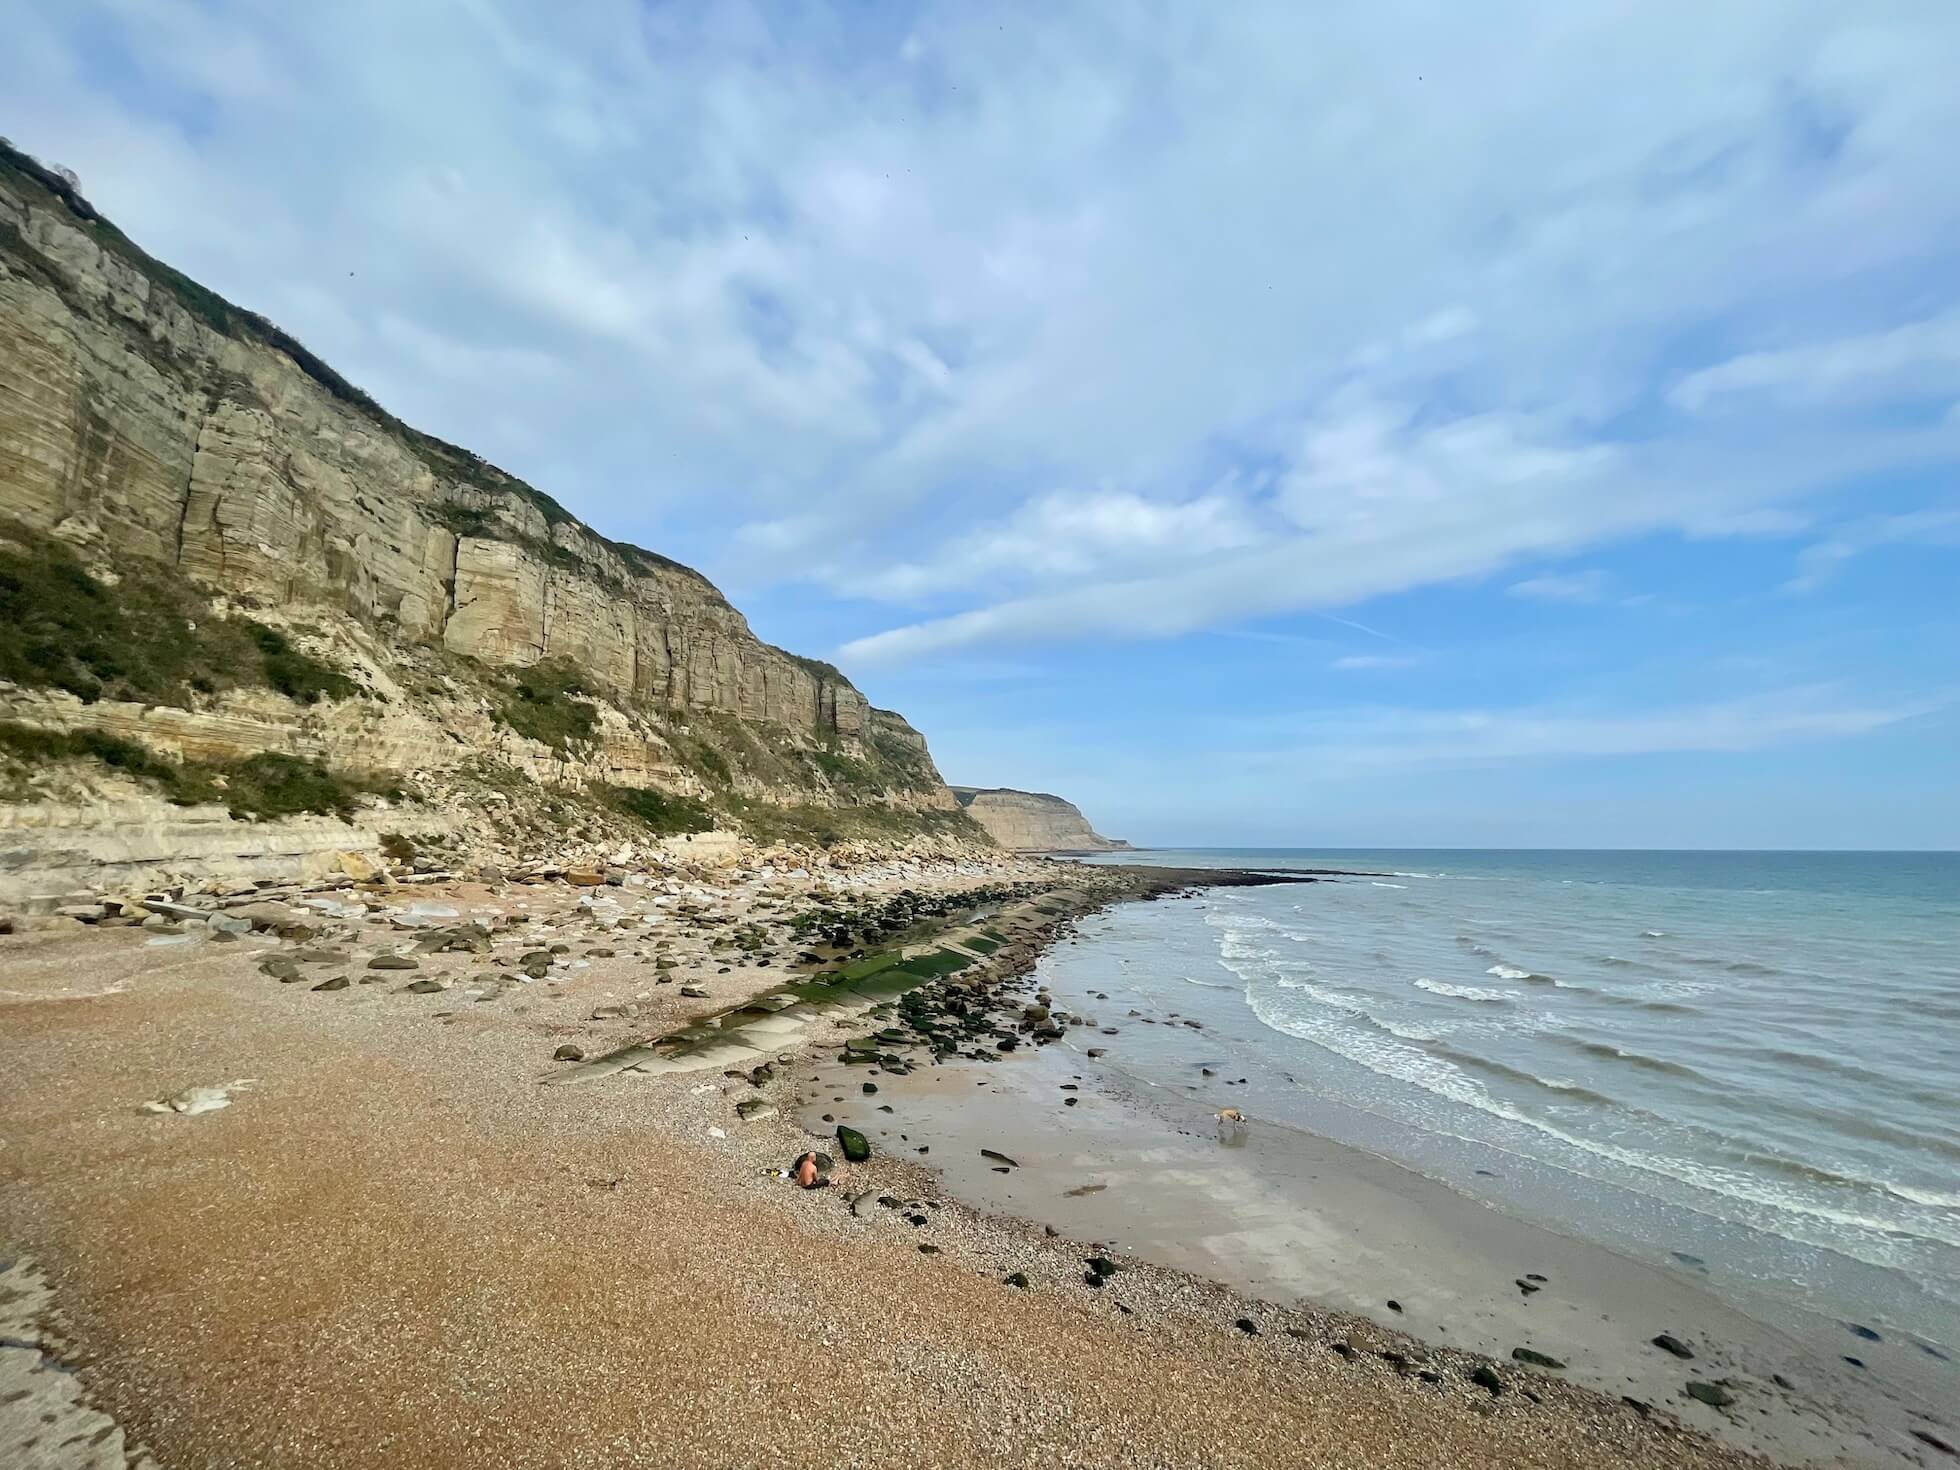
<point x="928" y="1249"/>
<point x="1486" y="1377"/>
<point x="339" y="982"/>
<point x="569" y="1053"/>
<point x="1018" y="1279"/>
<point x="694" y="992"/>
<point x="1934" y="1441"/>
<point x="751" y="1108"/>
<point x="425" y="987"/>
<point x="1246" y="1325"/>
<point x="1712" y="1394"/>
<point x="1394" y="1305"/>
<point x="1668" y="1343"/>
<point x="392" y="962"/>
<point x="1535" y="1358"/>
<point x="870" y="1087"/>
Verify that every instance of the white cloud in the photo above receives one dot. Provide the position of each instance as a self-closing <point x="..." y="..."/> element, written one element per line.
<point x="1820" y="561"/>
<point x="1382" y="736"/>
<point x="847" y="290"/>
<point x="1357" y="661"/>
<point x="1587" y="586"/>
<point x="1918" y="359"/>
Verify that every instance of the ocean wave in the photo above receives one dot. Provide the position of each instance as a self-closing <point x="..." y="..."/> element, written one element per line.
<point x="1937" y="1199"/>
<point x="1638" y="1059"/>
<point x="1653" y="934"/>
<point x="1388" y="885"/>
<point x="1205" y="984"/>
<point x="1464" y="992"/>
<point x="1437" y="1076"/>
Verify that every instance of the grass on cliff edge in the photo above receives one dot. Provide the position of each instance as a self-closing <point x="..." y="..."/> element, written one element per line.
<point x="149" y="637"/>
<point x="261" y="786"/>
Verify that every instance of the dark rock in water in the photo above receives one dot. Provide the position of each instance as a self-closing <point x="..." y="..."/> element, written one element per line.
<point x="1486" y="1377"/>
<point x="1095" y="1051"/>
<point x="1018" y="1278"/>
<point x="1534" y="1276"/>
<point x="1712" y="1394"/>
<point x="1394" y="1305"/>
<point x="1068" y="1102"/>
<point x="870" y="1087"/>
<point x="988" y="1153"/>
<point x="1783" y="1383"/>
<point x="392" y="962"/>
<point x="1932" y="1352"/>
<point x="1527" y="1287"/>
<point x="1863" y="1332"/>
<point x="1854" y="1362"/>
<point x="1535" y="1358"/>
<point x="339" y="982"/>
<point x="568" y="1053"/>
<point x="1007" y="1043"/>
<point x="1246" y="1325"/>
<point x="857" y="1148"/>
<point x="1670" y="1344"/>
<point x="1935" y="1442"/>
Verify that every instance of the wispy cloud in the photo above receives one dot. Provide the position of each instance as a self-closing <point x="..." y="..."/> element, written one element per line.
<point x="1370" y="661"/>
<point x="1822" y="560"/>
<point x="1376" y="735"/>
<point x="1586" y="586"/>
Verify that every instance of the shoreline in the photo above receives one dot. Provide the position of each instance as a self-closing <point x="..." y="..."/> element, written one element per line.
<point x="390" y="1219"/>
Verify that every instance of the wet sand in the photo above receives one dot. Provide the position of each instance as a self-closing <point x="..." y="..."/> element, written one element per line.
<point x="392" y="1246"/>
<point x="1300" y="1220"/>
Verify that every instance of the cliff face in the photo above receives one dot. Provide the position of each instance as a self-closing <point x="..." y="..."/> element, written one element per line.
<point x="144" y="419"/>
<point x="1032" y="821"/>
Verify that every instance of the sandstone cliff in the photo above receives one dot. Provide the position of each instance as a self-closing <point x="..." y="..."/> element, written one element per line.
<point x="1032" y="821"/>
<point x="146" y="423"/>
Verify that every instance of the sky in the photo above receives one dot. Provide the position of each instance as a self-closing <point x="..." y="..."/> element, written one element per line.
<point x="1420" y="423"/>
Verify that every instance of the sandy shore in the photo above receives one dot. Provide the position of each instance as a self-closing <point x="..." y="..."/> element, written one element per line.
<point x="391" y="1245"/>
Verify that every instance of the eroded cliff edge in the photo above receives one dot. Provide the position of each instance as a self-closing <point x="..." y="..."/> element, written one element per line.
<point x="1032" y="821"/>
<point x="151" y="428"/>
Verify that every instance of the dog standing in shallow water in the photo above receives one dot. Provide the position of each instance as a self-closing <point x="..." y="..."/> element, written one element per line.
<point x="1231" y="1123"/>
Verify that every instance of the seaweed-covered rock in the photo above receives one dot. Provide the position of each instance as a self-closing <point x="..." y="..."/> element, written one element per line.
<point x="856" y="1147"/>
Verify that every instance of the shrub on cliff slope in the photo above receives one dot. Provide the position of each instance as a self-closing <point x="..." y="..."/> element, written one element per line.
<point x="261" y="786"/>
<point x="149" y="636"/>
<point x="543" y="704"/>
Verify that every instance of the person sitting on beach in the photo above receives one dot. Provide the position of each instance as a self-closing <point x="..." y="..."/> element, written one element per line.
<point x="807" y="1175"/>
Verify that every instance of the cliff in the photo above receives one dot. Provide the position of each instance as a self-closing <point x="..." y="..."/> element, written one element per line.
<point x="1032" y="821"/>
<point x="165" y="448"/>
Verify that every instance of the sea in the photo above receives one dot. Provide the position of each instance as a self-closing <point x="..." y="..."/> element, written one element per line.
<point x="1742" y="1065"/>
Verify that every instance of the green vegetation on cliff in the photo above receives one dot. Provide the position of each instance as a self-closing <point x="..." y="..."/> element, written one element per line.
<point x="148" y="636"/>
<point x="265" y="785"/>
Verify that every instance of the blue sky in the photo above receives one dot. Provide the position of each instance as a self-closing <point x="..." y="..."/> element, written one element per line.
<point x="1419" y="423"/>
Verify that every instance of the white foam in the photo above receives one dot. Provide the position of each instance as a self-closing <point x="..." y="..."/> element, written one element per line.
<point x="1463" y="992"/>
<point x="1508" y="972"/>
